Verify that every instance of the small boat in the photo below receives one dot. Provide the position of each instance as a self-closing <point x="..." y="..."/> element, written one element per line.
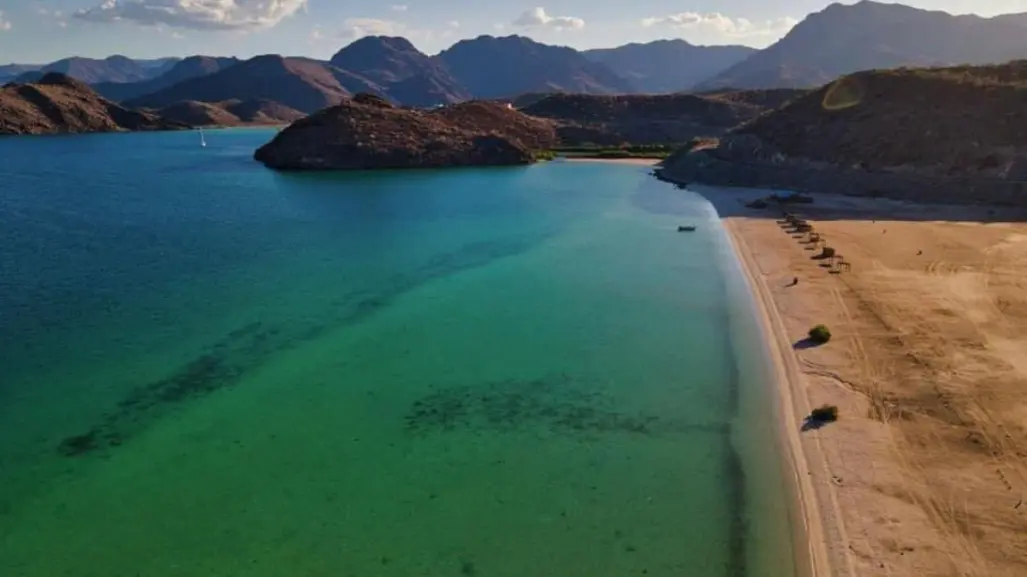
<point x="690" y="228"/>
<point x="203" y="141"/>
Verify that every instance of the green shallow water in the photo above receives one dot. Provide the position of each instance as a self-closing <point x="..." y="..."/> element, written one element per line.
<point x="213" y="369"/>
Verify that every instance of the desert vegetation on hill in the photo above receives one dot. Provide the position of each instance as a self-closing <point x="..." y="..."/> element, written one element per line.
<point x="640" y="119"/>
<point x="956" y="120"/>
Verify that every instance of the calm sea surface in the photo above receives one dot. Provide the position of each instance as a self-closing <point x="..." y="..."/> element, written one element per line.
<point x="210" y="369"/>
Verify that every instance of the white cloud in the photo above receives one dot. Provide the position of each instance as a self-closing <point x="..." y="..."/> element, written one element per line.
<point x="715" y="22"/>
<point x="454" y="23"/>
<point x="398" y="7"/>
<point x="360" y="27"/>
<point x="537" y="18"/>
<point x="197" y="14"/>
<point x="5" y="24"/>
<point x="355" y="28"/>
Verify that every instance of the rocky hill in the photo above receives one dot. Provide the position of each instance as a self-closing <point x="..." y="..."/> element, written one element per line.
<point x="952" y="134"/>
<point x="59" y="104"/>
<point x="229" y="113"/>
<point x="842" y="39"/>
<point x="952" y="120"/>
<point x="298" y="83"/>
<point x="490" y="67"/>
<point x="668" y="65"/>
<point x="648" y="119"/>
<point x="367" y="132"/>
<point x="767" y="99"/>
<point x="489" y="117"/>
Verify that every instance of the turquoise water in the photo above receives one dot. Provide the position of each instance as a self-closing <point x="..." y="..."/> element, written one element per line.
<point x="213" y="369"/>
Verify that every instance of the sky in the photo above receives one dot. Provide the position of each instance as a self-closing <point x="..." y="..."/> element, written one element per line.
<point x="39" y="31"/>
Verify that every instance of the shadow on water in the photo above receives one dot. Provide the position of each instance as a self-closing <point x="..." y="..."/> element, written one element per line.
<point x="225" y="363"/>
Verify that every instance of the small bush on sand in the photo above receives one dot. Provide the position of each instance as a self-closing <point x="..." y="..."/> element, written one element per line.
<point x="819" y="334"/>
<point x="824" y="414"/>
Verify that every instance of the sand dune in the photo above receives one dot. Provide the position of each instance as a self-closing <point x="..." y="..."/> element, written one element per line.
<point x="925" y="473"/>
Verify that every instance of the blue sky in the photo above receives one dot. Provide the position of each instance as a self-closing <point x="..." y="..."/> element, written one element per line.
<point x="43" y="30"/>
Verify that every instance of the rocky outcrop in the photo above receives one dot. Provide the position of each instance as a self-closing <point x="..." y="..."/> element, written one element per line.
<point x="230" y="113"/>
<point x="59" y="104"/>
<point x="932" y="135"/>
<point x="366" y="132"/>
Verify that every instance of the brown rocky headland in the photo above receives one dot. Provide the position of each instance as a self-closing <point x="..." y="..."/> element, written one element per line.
<point x="366" y="132"/>
<point x="58" y="104"/>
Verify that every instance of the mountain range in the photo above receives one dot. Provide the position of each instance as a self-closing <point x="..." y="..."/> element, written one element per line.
<point x="838" y="40"/>
<point x="844" y="39"/>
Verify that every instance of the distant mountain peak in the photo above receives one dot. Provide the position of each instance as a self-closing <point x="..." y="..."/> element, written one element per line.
<point x="842" y="39"/>
<point x="393" y="42"/>
<point x="371" y="51"/>
<point x="506" y="66"/>
<point x="267" y="59"/>
<point x="668" y="65"/>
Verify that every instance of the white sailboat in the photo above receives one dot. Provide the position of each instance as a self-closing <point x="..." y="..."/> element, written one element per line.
<point x="203" y="141"/>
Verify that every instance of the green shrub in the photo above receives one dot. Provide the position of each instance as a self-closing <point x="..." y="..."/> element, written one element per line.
<point x="819" y="334"/>
<point x="613" y="154"/>
<point x="825" y="414"/>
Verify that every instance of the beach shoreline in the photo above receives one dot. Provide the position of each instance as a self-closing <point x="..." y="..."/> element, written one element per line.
<point x="809" y="543"/>
<point x="635" y="161"/>
<point x="923" y="474"/>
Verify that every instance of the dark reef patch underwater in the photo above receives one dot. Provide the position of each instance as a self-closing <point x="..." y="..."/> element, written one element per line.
<point x="558" y="403"/>
<point x="248" y="347"/>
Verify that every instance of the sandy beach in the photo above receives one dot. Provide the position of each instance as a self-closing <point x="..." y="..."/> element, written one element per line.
<point x="924" y="473"/>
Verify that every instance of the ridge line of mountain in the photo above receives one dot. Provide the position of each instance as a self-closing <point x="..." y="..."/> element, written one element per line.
<point x="838" y="40"/>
